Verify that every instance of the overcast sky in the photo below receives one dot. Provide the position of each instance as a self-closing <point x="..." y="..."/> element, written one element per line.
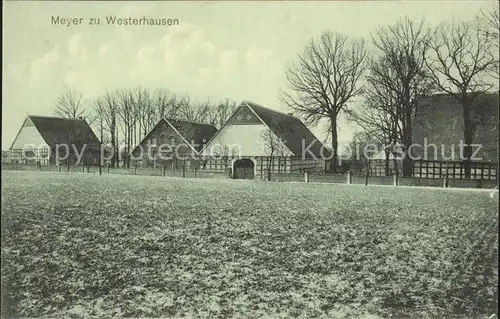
<point x="219" y="49"/>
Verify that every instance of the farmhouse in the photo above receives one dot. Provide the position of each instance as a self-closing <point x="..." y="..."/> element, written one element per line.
<point x="173" y="143"/>
<point x="41" y="138"/>
<point x="256" y="139"/>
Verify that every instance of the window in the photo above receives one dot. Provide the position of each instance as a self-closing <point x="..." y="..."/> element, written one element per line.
<point x="44" y="153"/>
<point x="29" y="154"/>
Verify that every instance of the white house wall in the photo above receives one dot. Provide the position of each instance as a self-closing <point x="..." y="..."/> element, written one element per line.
<point x="28" y="135"/>
<point x="246" y="139"/>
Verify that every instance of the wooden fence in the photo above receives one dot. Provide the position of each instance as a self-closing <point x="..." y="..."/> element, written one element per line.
<point x="342" y="178"/>
<point x="455" y="170"/>
<point x="433" y="169"/>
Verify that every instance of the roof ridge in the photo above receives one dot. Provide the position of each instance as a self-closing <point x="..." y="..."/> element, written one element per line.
<point x="448" y="94"/>
<point x="267" y="108"/>
<point x="194" y="122"/>
<point x="56" y="117"/>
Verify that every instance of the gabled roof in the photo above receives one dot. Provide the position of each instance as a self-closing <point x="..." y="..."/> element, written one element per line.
<point x="194" y="134"/>
<point x="289" y="129"/>
<point x="58" y="130"/>
<point x="485" y="105"/>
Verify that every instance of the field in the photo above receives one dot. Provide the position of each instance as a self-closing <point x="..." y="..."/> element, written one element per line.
<point x="84" y="245"/>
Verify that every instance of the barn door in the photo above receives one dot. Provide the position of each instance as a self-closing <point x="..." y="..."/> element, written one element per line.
<point x="244" y="169"/>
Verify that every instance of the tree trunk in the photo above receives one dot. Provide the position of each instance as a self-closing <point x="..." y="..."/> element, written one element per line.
<point x="387" y="161"/>
<point x="407" y="130"/>
<point x="407" y="167"/>
<point x="113" y="142"/>
<point x="334" y="159"/>
<point x="129" y="143"/>
<point x="268" y="172"/>
<point x="135" y="133"/>
<point x="117" y="150"/>
<point x="367" y="171"/>
<point x="407" y="161"/>
<point x="100" y="144"/>
<point x="468" y="133"/>
<point x="395" y="163"/>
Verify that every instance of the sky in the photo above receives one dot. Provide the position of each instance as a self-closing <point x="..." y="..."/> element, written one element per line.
<point x="218" y="50"/>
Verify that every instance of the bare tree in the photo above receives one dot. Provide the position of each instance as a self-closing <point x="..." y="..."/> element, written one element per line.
<point x="69" y="105"/>
<point x="124" y="117"/>
<point x="366" y="146"/>
<point x="324" y="80"/>
<point x="459" y="66"/>
<point x="377" y="114"/>
<point x="99" y="111"/>
<point x="108" y="109"/>
<point x="143" y="111"/>
<point x="273" y="146"/>
<point x="194" y="112"/>
<point x="396" y="81"/>
<point x="490" y="22"/>
<point x="126" y="113"/>
<point x="380" y="125"/>
<point x="137" y="115"/>
<point x="220" y="113"/>
<point x="225" y="153"/>
<point x="99" y="114"/>
<point x="206" y="112"/>
<point x="165" y="104"/>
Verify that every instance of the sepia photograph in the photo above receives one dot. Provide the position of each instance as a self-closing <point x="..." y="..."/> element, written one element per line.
<point x="250" y="159"/>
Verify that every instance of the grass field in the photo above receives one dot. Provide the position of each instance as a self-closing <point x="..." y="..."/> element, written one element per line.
<point x="84" y="245"/>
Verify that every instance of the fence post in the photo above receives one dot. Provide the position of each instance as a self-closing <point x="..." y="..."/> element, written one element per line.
<point x="183" y="170"/>
<point x="59" y="167"/>
<point x="395" y="179"/>
<point x="135" y="169"/>
<point x="164" y="170"/>
<point x="306" y="177"/>
<point x="445" y="181"/>
<point x="108" y="167"/>
<point x="100" y="168"/>
<point x="195" y="169"/>
<point x="349" y="177"/>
